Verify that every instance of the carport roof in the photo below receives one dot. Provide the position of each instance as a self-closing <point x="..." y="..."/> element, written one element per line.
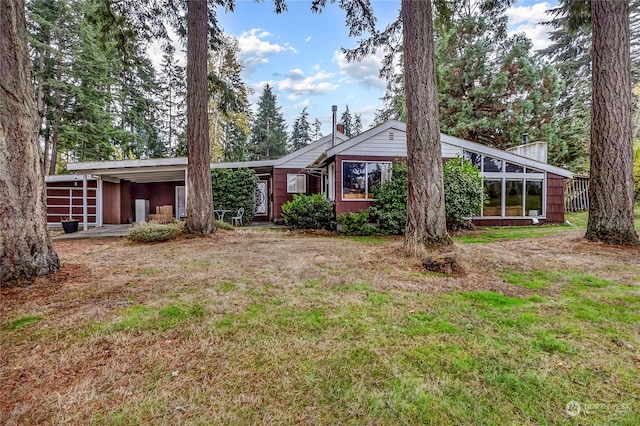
<point x="138" y="171"/>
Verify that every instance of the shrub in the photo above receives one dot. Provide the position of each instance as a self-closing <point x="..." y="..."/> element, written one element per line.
<point x="233" y="189"/>
<point x="356" y="223"/>
<point x="463" y="192"/>
<point x="154" y="232"/>
<point x="390" y="205"/>
<point x="309" y="212"/>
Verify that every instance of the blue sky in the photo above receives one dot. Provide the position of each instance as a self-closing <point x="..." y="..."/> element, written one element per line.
<point x="298" y="54"/>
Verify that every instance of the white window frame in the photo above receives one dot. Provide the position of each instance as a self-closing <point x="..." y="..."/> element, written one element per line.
<point x="298" y="180"/>
<point x="366" y="173"/>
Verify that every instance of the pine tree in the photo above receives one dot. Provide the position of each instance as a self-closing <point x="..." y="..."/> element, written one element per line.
<point x="301" y="131"/>
<point x="228" y="100"/>
<point x="173" y="96"/>
<point x="268" y="132"/>
<point x="347" y="121"/>
<point x="25" y="244"/>
<point x="317" y="129"/>
<point x="357" y="124"/>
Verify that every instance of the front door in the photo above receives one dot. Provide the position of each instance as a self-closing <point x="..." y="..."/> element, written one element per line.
<point x="261" y="198"/>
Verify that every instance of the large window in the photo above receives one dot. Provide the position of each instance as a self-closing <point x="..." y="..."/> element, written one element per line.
<point x="359" y="177"/>
<point x="512" y="189"/>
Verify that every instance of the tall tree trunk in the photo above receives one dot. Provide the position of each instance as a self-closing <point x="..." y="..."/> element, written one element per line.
<point x="25" y="245"/>
<point x="200" y="219"/>
<point x="426" y="221"/>
<point x="611" y="180"/>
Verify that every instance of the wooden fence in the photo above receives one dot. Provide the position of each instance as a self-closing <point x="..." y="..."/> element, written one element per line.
<point x="576" y="194"/>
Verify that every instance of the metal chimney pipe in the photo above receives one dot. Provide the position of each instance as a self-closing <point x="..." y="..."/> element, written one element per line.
<point x="525" y="138"/>
<point x="334" y="115"/>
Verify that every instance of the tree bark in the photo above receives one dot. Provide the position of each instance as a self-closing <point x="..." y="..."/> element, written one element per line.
<point x="426" y="221"/>
<point x="611" y="177"/>
<point x="200" y="218"/>
<point x="25" y="245"/>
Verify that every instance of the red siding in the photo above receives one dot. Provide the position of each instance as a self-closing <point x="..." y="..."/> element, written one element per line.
<point x="555" y="198"/>
<point x="63" y="195"/>
<point x="111" y="204"/>
<point x="280" y="194"/>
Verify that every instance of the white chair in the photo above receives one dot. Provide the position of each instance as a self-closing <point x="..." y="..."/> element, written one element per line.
<point x="237" y="219"/>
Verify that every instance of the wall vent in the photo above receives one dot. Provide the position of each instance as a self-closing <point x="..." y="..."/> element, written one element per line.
<point x="390" y="136"/>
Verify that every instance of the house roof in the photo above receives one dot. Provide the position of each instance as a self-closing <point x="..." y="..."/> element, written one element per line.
<point x="297" y="159"/>
<point x="139" y="171"/>
<point x="394" y="125"/>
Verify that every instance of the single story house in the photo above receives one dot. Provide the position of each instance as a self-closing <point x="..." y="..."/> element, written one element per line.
<point x="522" y="188"/>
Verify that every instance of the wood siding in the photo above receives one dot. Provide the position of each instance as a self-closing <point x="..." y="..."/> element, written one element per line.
<point x="280" y="195"/>
<point x="111" y="203"/>
<point x="555" y="198"/>
<point x="64" y="199"/>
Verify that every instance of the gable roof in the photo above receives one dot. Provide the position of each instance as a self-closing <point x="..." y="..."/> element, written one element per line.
<point x="296" y="159"/>
<point x="452" y="143"/>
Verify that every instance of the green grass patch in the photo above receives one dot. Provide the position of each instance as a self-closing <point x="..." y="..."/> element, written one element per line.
<point x="150" y="318"/>
<point x="153" y="232"/>
<point x="353" y="288"/>
<point x="226" y="287"/>
<point x="534" y="279"/>
<point x="367" y="239"/>
<point x="490" y="234"/>
<point x="493" y="299"/>
<point x="23" y="322"/>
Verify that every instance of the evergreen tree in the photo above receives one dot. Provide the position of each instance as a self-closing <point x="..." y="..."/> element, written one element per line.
<point x="491" y="88"/>
<point x="301" y="131"/>
<point x="228" y="100"/>
<point x="357" y="124"/>
<point x="172" y="104"/>
<point x="268" y="132"/>
<point x="346" y="120"/>
<point x="317" y="129"/>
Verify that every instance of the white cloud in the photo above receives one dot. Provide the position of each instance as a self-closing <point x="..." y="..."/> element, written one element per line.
<point x="365" y="72"/>
<point x="307" y="40"/>
<point x="297" y="85"/>
<point x="529" y="14"/>
<point x="257" y="50"/>
<point x="527" y="19"/>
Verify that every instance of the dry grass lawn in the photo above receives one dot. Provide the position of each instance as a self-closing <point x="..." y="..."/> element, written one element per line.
<point x="278" y="327"/>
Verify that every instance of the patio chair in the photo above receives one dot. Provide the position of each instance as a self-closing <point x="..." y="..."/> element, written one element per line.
<point x="237" y="219"/>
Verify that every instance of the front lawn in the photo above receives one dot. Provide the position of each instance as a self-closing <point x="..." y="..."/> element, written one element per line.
<point x="256" y="327"/>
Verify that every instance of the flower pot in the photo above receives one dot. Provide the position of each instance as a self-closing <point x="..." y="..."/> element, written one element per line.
<point x="70" y="226"/>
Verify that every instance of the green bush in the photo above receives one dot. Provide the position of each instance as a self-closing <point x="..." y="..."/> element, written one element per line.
<point x="309" y="212"/>
<point x="154" y="232"/>
<point x="390" y="205"/>
<point x="233" y="189"/>
<point x="356" y="223"/>
<point x="463" y="192"/>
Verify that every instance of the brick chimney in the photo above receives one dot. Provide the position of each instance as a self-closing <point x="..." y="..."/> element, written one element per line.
<point x="340" y="127"/>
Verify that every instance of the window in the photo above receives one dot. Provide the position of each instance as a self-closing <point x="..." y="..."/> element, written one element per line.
<point x="533" y="198"/>
<point x="359" y="177"/>
<point x="492" y="164"/>
<point x="296" y="183"/>
<point x="473" y="158"/>
<point x="493" y="206"/>
<point x="513" y="199"/>
<point x="514" y="168"/>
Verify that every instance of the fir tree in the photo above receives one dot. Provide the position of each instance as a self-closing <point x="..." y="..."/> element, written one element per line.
<point x="357" y="124"/>
<point x="346" y="120"/>
<point x="301" y="131"/>
<point x="268" y="132"/>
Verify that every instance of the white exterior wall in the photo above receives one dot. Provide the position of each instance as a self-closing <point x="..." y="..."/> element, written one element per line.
<point x="390" y="143"/>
